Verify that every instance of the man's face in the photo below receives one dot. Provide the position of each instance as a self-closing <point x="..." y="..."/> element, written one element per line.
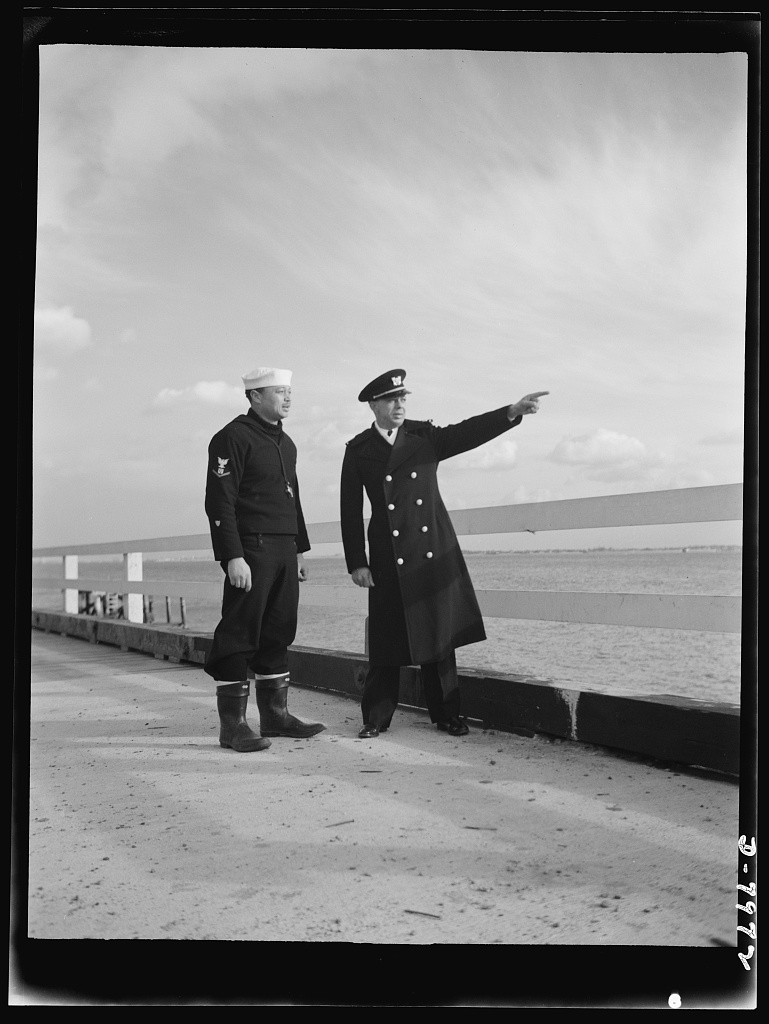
<point x="273" y="404"/>
<point x="389" y="412"/>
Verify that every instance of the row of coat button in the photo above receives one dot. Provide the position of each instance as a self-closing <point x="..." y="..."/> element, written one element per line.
<point x="396" y="533"/>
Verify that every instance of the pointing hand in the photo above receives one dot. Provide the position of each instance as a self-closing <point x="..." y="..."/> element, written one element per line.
<point x="527" y="405"/>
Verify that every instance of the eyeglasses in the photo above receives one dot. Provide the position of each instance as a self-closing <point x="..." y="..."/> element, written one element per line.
<point x="273" y="391"/>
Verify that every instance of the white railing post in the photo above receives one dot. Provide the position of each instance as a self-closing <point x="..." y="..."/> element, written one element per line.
<point x="70" y="596"/>
<point x="133" y="604"/>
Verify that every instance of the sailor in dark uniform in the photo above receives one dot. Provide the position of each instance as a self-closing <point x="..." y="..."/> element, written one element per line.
<point x="422" y="605"/>
<point x="259" y="536"/>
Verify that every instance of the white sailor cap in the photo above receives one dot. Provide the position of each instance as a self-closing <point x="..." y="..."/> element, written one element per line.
<point x="266" y="377"/>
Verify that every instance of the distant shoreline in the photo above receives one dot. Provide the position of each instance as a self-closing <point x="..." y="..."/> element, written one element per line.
<point x="469" y="553"/>
<point x="590" y="551"/>
<point x="205" y="556"/>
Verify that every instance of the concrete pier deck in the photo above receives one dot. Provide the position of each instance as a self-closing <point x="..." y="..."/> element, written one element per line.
<point x="141" y="827"/>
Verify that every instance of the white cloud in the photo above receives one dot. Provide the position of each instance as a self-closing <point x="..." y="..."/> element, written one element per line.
<point x="60" y="331"/>
<point x="316" y="435"/>
<point x="502" y="455"/>
<point x="606" y="456"/>
<point x="205" y="392"/>
<point x="525" y="495"/>
<point x="598" y="448"/>
<point x="683" y="476"/>
<point x="112" y="115"/>
<point x="328" y="438"/>
<point x="493" y="217"/>
<point x="629" y="473"/>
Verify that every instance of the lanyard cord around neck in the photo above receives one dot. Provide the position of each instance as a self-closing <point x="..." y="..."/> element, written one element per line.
<point x="261" y="426"/>
<point x="289" y="488"/>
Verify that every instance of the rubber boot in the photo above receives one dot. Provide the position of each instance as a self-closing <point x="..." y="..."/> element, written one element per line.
<point x="234" y="730"/>
<point x="271" y="699"/>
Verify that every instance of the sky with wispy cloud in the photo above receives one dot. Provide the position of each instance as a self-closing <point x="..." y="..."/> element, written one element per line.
<point x="495" y="223"/>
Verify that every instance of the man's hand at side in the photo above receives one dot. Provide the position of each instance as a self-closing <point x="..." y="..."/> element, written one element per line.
<point x="239" y="573"/>
<point x="362" y="577"/>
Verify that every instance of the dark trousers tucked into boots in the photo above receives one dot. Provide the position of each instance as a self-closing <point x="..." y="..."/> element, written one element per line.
<point x="271" y="699"/>
<point x="234" y="730"/>
<point x="258" y="625"/>
<point x="254" y="633"/>
<point x="381" y="691"/>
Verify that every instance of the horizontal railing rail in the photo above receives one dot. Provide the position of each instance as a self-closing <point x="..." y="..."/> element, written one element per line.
<point x="687" y="505"/>
<point x="718" y="503"/>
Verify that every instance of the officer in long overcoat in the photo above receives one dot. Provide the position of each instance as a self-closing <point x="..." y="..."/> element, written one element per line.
<point x="422" y="605"/>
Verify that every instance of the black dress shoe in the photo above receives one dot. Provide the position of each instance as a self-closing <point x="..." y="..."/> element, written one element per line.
<point x="368" y="731"/>
<point x="454" y="727"/>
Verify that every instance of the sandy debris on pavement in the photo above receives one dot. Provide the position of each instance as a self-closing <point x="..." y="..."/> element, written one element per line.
<point x="142" y="826"/>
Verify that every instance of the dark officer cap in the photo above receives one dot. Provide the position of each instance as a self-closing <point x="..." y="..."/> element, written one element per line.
<point x="389" y="385"/>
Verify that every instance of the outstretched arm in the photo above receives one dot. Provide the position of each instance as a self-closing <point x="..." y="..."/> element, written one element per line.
<point x="477" y="430"/>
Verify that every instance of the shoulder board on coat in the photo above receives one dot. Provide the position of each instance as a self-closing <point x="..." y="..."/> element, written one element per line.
<point x="360" y="438"/>
<point x="416" y="425"/>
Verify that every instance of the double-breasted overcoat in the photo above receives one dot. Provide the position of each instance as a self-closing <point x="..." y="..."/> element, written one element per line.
<point x="422" y="605"/>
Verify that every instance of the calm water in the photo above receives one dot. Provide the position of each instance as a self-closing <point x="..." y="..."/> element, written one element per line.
<point x="606" y="658"/>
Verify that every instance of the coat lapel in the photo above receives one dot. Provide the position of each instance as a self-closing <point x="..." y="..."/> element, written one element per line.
<point x="404" y="447"/>
<point x="375" y="446"/>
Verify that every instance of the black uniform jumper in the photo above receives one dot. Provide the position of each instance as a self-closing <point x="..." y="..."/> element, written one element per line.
<point x="254" y="511"/>
<point x="252" y="502"/>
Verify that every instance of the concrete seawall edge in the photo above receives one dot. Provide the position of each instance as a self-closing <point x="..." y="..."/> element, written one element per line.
<point x="667" y="728"/>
